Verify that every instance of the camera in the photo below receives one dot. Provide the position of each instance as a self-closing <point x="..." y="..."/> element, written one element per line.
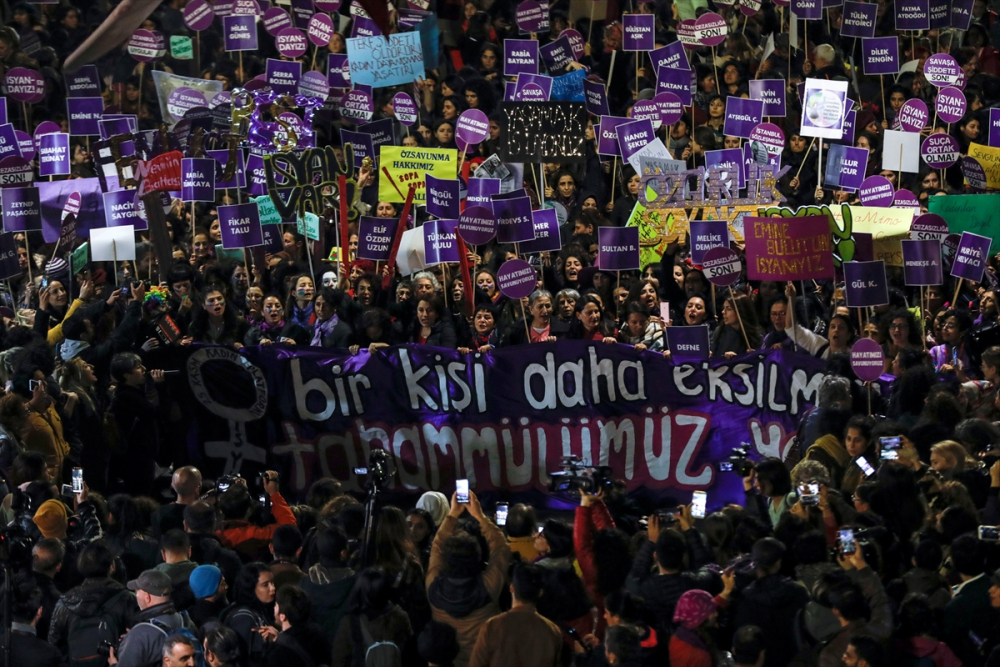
<point x="379" y="470"/>
<point x="738" y="460"/>
<point x="104" y="648"/>
<point x="223" y="483"/>
<point x="574" y="477"/>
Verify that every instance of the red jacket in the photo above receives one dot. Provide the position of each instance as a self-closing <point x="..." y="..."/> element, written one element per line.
<point x="586" y="520"/>
<point x="248" y="538"/>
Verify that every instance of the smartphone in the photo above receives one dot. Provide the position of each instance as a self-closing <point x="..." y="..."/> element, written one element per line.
<point x="462" y="490"/>
<point x="501" y="514"/>
<point x="866" y="467"/>
<point x="77" y="480"/>
<point x="665" y="312"/>
<point x="809" y="493"/>
<point x="989" y="533"/>
<point x="890" y="443"/>
<point x="846" y="541"/>
<point x="361" y="471"/>
<point x="698" y="501"/>
<point x="33" y="384"/>
<point x="889" y="455"/>
<point x="67" y="490"/>
<point x="725" y="466"/>
<point x="223" y="486"/>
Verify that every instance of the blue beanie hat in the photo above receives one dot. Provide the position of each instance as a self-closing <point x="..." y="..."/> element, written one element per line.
<point x="205" y="580"/>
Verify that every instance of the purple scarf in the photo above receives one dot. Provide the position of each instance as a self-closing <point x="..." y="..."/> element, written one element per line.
<point x="267" y="327"/>
<point x="324" y="328"/>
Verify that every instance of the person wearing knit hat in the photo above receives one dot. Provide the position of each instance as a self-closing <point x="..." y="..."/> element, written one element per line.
<point x="696" y="612"/>
<point x="210" y="592"/>
<point x="436" y="503"/>
<point x="56" y="268"/>
<point x="52" y="519"/>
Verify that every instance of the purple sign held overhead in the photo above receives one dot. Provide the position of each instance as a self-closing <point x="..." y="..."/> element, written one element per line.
<point x="912" y="15"/>
<point x="357" y="106"/>
<point x="472" y="128"/>
<point x="314" y="84"/>
<point x="22" y="210"/>
<point x="922" y="262"/>
<point x="240" y="33"/>
<point x="362" y="145"/>
<point x="146" y="45"/>
<point x="912" y="116"/>
<point x="338" y="71"/>
<point x="24" y="85"/>
<point x="672" y="55"/>
<point x="477" y="225"/>
<point x="880" y="55"/>
<point x="53" y="154"/>
<point x="867" y="360"/>
<point x="198" y="15"/>
<point x="865" y="284"/>
<point x="291" y="42"/>
<point x="971" y="257"/>
<point x="618" y="248"/>
<point x="440" y="242"/>
<point x="520" y="56"/>
<point x="951" y="104"/>
<point x="320" y="29"/>
<point x="742" y="115"/>
<point x="84" y="114"/>
<point x="940" y="11"/>
<point x="442" y="197"/>
<point x="275" y="20"/>
<point x="961" y="14"/>
<point x="876" y="191"/>
<point x="198" y="179"/>
<point x="404" y="109"/>
<point x="557" y="54"/>
<point x="516" y="279"/>
<point x="974" y="173"/>
<point x="639" y="32"/>
<point x="8" y="142"/>
<point x="633" y="137"/>
<point x="283" y="75"/>
<point x="940" y="151"/>
<point x="240" y="226"/>
<point x="375" y="237"/>
<point x="514" y="220"/>
<point x="772" y="93"/>
<point x="730" y="160"/>
<point x="810" y="10"/>
<point x="607" y="138"/>
<point x="845" y="167"/>
<point x="710" y="29"/>
<point x="546" y="232"/>
<point x="721" y="266"/>
<point x="994" y="135"/>
<point x="941" y="70"/>
<point x="480" y="192"/>
<point x="905" y="199"/>
<point x="122" y="210"/>
<point x="687" y="344"/>
<point x="596" y="98"/>
<point x="706" y="235"/>
<point x="86" y="82"/>
<point x="858" y="19"/>
<point x="676" y="81"/>
<point x="670" y="107"/>
<point x="530" y="16"/>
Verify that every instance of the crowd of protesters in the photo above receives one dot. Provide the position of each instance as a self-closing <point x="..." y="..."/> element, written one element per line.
<point x="825" y="563"/>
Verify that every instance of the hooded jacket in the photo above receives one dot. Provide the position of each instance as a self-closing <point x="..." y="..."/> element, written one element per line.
<point x="772" y="603"/>
<point x="92" y="597"/>
<point x="328" y="589"/>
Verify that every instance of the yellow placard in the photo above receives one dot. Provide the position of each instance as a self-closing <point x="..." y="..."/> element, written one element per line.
<point x="889" y="251"/>
<point x="989" y="157"/>
<point x="882" y="222"/>
<point x="408" y="165"/>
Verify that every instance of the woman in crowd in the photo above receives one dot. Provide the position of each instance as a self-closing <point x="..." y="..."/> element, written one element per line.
<point x="739" y="332"/>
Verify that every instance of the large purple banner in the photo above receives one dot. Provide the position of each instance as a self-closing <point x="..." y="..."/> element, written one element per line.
<point x="502" y="420"/>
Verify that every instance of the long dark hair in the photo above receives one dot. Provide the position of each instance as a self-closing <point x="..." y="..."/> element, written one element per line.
<point x="744" y="308"/>
<point x="245" y="588"/>
<point x="576" y="330"/>
<point x="230" y="320"/>
<point x="370" y="595"/>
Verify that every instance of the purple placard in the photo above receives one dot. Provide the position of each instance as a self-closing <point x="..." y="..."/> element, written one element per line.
<point x="198" y="179"/>
<point x="291" y="42"/>
<point x="876" y="191"/>
<point x="516" y="279"/>
<point x="530" y="16"/>
<point x="320" y="29"/>
<point x="314" y="84"/>
<point x="596" y="98"/>
<point x="22" y="209"/>
<point x="480" y="192"/>
<point x="275" y="20"/>
<point x="240" y="33"/>
<point x="84" y="113"/>
<point x="576" y="42"/>
<point x="676" y="81"/>
<point x="473" y="126"/>
<point x="730" y="160"/>
<point x="146" y="45"/>
<point x="85" y="82"/>
<point x="705" y="235"/>
<point x="375" y="238"/>
<point x="961" y="14"/>
<point x="848" y="135"/>
<point x="941" y="70"/>
<point x="607" y="142"/>
<point x="865" y="284"/>
<point x="810" y="10"/>
<point x="9" y="263"/>
<point x="405" y="109"/>
<point x="520" y="56"/>
<point x="8" y="142"/>
<point x="639" y="32"/>
<point x="15" y="170"/>
<point x="710" y="29"/>
<point x="24" y="85"/>
<point x="364" y="27"/>
<point x="940" y="151"/>
<point x="974" y="173"/>
<point x="971" y="257"/>
<point x="618" y="248"/>
<point x="688" y="343"/>
<point x="338" y="71"/>
<point x="772" y="93"/>
<point x="670" y="107"/>
<point x="440" y="242"/>
<point x="922" y="262"/>
<point x="53" y="154"/>
<point x="558" y="54"/>
<point x="880" y="55"/>
<point x="912" y="15"/>
<point x="905" y="199"/>
<point x="222" y="157"/>
<point x="442" y="197"/>
<point x="302" y="11"/>
<point x="362" y="143"/>
<point x="546" y="239"/>
<point x="513" y="220"/>
<point x="25" y="144"/>
<point x="634" y="136"/>
<point x="940" y="11"/>
<point x="283" y="75"/>
<point x="867" y="360"/>
<point x="912" y="116"/>
<point x="182" y="99"/>
<point x="722" y="265"/>
<point x="994" y="136"/>
<point x="121" y="210"/>
<point x="198" y="15"/>
<point x="533" y="89"/>
<point x="951" y="105"/>
<point x="240" y="226"/>
<point x="742" y="115"/>
<point x="477" y="225"/>
<point x="113" y="125"/>
<point x="257" y="178"/>
<point x="672" y="55"/>
<point x="845" y="167"/>
<point x="357" y="106"/>
<point x="858" y="19"/>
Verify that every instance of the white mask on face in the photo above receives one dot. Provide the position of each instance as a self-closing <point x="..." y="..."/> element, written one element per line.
<point x="329" y="279"/>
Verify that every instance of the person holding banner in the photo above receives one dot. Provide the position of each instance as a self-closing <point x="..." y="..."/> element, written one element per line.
<point x="432" y="325"/>
<point x="591" y="323"/>
<point x="274" y="328"/>
<point x="218" y="323"/>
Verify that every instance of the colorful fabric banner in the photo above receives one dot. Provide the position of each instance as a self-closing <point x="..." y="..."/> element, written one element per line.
<point x="788" y="248"/>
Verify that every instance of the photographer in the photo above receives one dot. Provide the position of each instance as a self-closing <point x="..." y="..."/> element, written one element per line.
<point x="236" y="505"/>
<point x="133" y="465"/>
<point x="157" y="620"/>
<point x="206" y="549"/>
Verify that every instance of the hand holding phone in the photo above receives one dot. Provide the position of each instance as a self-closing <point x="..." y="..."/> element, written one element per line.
<point x="462" y="491"/>
<point x="846" y="543"/>
<point x="501" y="514"/>
<point x="698" y="501"/>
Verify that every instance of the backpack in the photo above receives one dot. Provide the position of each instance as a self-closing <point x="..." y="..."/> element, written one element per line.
<point x="255" y="647"/>
<point x="376" y="654"/>
<point x="168" y="632"/>
<point x="85" y="633"/>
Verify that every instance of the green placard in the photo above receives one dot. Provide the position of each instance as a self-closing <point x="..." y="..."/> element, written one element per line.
<point x="268" y="213"/>
<point x="78" y="260"/>
<point x="181" y="47"/>
<point x="308" y="226"/>
<point x="978" y="214"/>
<point x="232" y="254"/>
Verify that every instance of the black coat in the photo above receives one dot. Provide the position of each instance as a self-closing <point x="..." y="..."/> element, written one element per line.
<point x="772" y="603"/>
<point x="442" y="334"/>
<point x="206" y="549"/>
<point x="121" y="339"/>
<point x="294" y="644"/>
<point x="87" y="600"/>
<point x="291" y="330"/>
<point x="27" y="650"/>
<point x="340" y="338"/>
